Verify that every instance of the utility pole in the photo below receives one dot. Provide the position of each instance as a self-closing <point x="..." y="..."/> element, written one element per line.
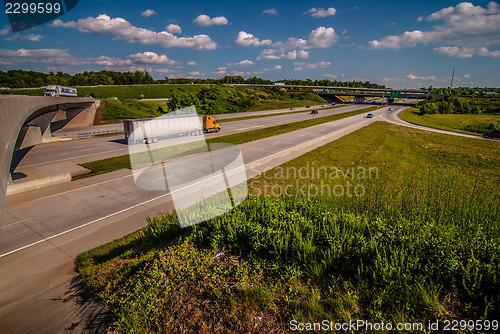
<point x="452" y="76"/>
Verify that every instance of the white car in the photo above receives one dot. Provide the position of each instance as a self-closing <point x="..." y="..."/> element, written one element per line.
<point x="390" y="109"/>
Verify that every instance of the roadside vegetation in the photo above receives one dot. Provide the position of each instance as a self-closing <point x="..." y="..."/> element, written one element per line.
<point x="212" y="100"/>
<point x="116" y="163"/>
<point x="27" y="79"/>
<point x="459" y="114"/>
<point x="464" y="123"/>
<point x="420" y="244"/>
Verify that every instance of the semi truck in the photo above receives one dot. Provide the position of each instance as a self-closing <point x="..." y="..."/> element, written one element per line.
<point x="150" y="130"/>
<point x="54" y="90"/>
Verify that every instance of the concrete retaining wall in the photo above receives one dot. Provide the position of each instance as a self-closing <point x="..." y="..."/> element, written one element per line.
<point x="15" y="110"/>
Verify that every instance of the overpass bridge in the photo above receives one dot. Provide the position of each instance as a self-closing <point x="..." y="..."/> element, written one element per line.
<point x="358" y="93"/>
<point x="26" y="121"/>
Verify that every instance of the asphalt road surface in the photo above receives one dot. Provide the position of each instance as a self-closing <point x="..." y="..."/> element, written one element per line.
<point x="95" y="148"/>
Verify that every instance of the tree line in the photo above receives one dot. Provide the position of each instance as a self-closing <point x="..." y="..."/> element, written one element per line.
<point x="32" y="79"/>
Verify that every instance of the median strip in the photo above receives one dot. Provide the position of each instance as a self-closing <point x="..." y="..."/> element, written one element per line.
<point x="243" y="118"/>
<point x="120" y="162"/>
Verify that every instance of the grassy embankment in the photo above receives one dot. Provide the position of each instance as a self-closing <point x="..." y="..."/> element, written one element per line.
<point x="452" y="122"/>
<point x="420" y="244"/>
<point x="460" y="114"/>
<point x="121" y="162"/>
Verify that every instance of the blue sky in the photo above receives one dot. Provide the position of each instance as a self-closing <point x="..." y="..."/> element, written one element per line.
<point x="399" y="44"/>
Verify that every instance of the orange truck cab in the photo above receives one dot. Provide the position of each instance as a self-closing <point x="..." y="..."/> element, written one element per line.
<point x="210" y="124"/>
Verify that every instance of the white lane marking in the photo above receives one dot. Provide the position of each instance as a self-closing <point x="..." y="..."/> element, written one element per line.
<point x="18" y="222"/>
<point x="251" y="127"/>
<point x="163" y="178"/>
<point x="70" y="158"/>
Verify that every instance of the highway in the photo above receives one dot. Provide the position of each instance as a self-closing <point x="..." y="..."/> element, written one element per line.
<point x="95" y="148"/>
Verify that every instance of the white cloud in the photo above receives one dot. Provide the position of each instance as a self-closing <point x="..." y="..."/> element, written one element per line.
<point x="4" y="31"/>
<point x="167" y="71"/>
<point x="467" y="76"/>
<point x="323" y="37"/>
<point x="454" y="51"/>
<point x="246" y="39"/>
<point x="319" y="38"/>
<point x="280" y="54"/>
<point x="205" y="21"/>
<point x="464" y="26"/>
<point x="321" y="12"/>
<point x="196" y="73"/>
<point x="321" y="64"/>
<point x="329" y="76"/>
<point x="110" y="62"/>
<point x="277" y="67"/>
<point x="151" y="58"/>
<point x="270" y="54"/>
<point x="38" y="56"/>
<point x="31" y="37"/>
<point x="192" y="63"/>
<point x="432" y="78"/>
<point x="220" y="73"/>
<point x="303" y="54"/>
<point x="270" y="11"/>
<point x="297" y="68"/>
<point x="243" y="63"/>
<point x="291" y="55"/>
<point x="173" y="28"/>
<point x="148" y="13"/>
<point x="457" y="52"/>
<point x="291" y="43"/>
<point x="122" y="30"/>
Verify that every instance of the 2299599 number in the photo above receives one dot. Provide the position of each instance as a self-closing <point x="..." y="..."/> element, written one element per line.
<point x="472" y="325"/>
<point x="32" y="8"/>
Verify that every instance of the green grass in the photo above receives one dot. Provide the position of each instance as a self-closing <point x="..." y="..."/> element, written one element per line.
<point x="452" y="122"/>
<point x="116" y="163"/>
<point x="422" y="243"/>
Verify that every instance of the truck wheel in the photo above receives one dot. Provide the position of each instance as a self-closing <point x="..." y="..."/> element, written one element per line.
<point x="155" y="140"/>
<point x="218" y="129"/>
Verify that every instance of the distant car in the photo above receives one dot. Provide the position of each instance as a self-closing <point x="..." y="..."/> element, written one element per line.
<point x="292" y="108"/>
<point x="369" y="116"/>
<point x="308" y="106"/>
<point x="324" y="105"/>
<point x="314" y="111"/>
<point x="492" y="134"/>
<point x="333" y="103"/>
<point x="390" y="109"/>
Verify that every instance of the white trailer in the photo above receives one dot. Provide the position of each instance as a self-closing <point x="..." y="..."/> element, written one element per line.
<point x="149" y="130"/>
<point x="54" y="90"/>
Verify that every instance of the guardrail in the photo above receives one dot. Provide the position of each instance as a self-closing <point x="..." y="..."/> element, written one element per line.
<point x="93" y="134"/>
